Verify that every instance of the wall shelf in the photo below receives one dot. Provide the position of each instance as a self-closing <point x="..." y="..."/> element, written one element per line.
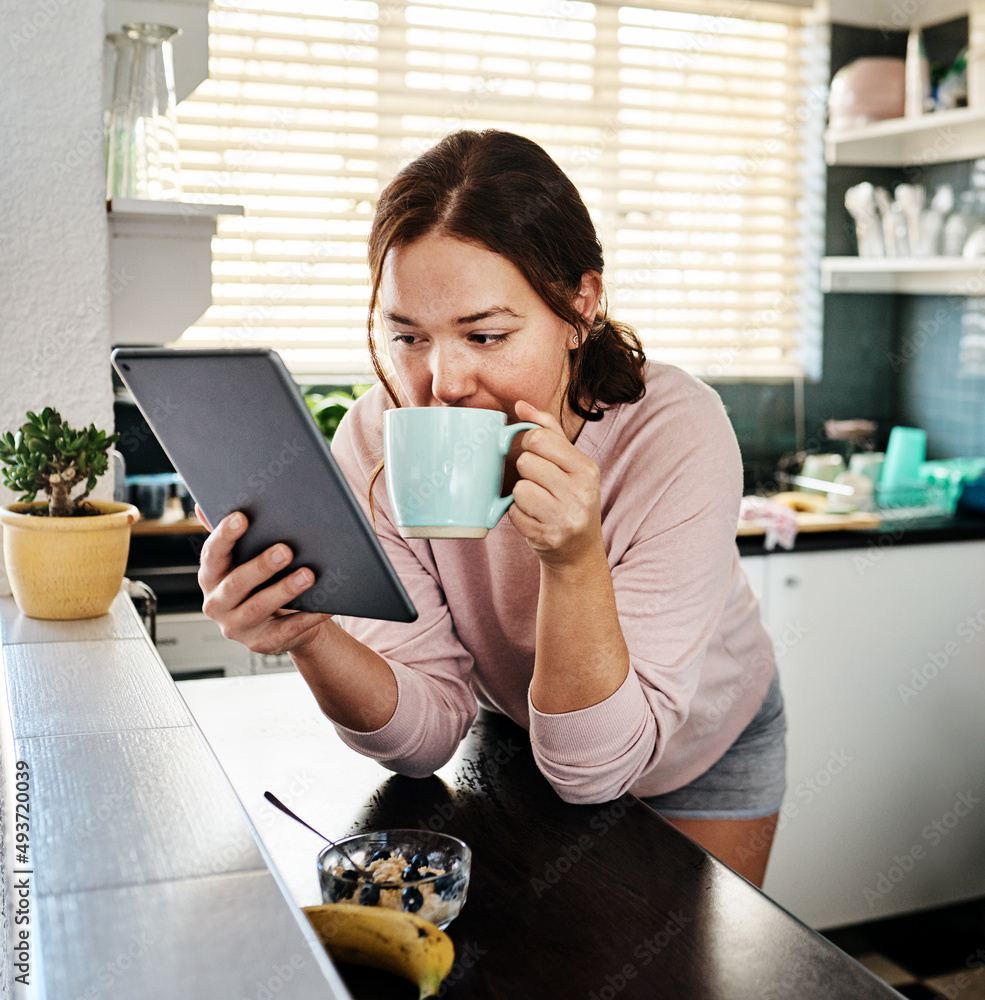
<point x="909" y="142"/>
<point x="160" y="266"/>
<point x="892" y="15"/>
<point x="904" y="275"/>
<point x="940" y="137"/>
<point x="923" y="140"/>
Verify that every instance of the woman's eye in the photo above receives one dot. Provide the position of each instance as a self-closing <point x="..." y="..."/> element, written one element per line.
<point x="488" y="338"/>
<point x="403" y="338"/>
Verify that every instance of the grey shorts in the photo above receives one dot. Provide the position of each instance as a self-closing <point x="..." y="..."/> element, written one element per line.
<point x="748" y="782"/>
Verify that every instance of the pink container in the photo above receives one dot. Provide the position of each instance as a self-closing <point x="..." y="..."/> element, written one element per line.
<point x="867" y="90"/>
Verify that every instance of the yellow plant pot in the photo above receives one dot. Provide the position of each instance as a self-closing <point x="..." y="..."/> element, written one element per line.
<point x="66" y="568"/>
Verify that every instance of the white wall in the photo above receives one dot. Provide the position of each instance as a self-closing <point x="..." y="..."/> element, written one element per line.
<point x="54" y="257"/>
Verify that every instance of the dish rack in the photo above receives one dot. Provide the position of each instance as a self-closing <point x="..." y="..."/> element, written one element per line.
<point x="937" y="493"/>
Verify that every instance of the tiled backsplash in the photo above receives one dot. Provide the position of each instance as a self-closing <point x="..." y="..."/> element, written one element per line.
<point x="916" y="360"/>
<point x="858" y="382"/>
<point x="940" y="391"/>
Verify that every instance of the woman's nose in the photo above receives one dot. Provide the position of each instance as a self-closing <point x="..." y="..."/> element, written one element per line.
<point x="452" y="377"/>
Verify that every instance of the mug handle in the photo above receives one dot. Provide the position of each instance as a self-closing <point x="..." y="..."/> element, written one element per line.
<point x="502" y="504"/>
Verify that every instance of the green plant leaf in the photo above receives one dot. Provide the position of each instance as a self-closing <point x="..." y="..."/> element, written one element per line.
<point x="45" y="445"/>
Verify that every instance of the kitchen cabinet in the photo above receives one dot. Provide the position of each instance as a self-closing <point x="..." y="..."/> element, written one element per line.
<point x="881" y="654"/>
<point x="911" y="142"/>
<point x="755" y="569"/>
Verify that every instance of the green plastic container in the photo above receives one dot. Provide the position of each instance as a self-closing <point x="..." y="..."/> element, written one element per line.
<point x="947" y="478"/>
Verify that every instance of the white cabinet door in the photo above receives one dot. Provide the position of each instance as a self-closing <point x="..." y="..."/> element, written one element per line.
<point x="881" y="653"/>
<point x="755" y="569"/>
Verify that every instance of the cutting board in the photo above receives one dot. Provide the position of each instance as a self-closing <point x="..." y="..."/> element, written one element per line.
<point x="858" y="520"/>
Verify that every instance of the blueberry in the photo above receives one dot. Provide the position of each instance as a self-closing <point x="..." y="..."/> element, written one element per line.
<point x="412" y="899"/>
<point x="369" y="895"/>
<point x="418" y="861"/>
<point x="381" y="855"/>
<point x="447" y="886"/>
<point x="410" y="874"/>
<point x="345" y="888"/>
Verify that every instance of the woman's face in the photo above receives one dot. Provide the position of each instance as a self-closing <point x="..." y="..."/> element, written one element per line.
<point x="465" y="328"/>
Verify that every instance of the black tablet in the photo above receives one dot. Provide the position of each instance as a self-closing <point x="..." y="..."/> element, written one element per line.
<point x="236" y="427"/>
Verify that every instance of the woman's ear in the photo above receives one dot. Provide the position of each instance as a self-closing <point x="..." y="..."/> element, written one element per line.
<point x="588" y="296"/>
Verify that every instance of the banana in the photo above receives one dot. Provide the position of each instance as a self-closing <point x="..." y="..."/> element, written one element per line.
<point x="398" y="942"/>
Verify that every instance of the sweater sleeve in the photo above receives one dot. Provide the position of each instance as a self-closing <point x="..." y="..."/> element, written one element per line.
<point x="435" y="705"/>
<point x="669" y="521"/>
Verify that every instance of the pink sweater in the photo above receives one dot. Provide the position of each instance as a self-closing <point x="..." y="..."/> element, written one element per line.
<point x="701" y="661"/>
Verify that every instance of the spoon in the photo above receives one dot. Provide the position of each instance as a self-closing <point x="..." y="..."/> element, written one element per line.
<point x="270" y="797"/>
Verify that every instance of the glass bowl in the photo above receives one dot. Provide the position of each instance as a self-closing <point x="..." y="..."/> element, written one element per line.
<point x="414" y="870"/>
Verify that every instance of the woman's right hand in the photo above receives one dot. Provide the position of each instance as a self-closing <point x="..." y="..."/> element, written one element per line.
<point x="260" y="622"/>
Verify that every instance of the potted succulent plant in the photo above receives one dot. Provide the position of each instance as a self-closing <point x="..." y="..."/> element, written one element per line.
<point x="65" y="556"/>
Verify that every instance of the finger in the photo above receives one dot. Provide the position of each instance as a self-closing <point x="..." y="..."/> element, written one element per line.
<point x="201" y="516"/>
<point x="536" y="530"/>
<point x="545" y="473"/>
<point x="526" y="411"/>
<point x="535" y="503"/>
<point x="235" y="587"/>
<point x="561" y="452"/>
<point x="259" y="616"/>
<point x="544" y="522"/>
<point x="216" y="558"/>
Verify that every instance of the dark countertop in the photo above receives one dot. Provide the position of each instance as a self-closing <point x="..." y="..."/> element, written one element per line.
<point x="566" y="901"/>
<point x="915" y="531"/>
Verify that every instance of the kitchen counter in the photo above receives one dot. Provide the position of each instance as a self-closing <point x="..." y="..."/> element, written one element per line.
<point x="132" y="864"/>
<point x="912" y="531"/>
<point x="565" y="900"/>
<point x="144" y="873"/>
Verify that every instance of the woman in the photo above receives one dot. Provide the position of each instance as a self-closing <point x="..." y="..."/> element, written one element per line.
<point x="607" y="612"/>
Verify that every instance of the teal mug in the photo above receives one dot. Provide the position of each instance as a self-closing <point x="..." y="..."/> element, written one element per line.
<point x="444" y="469"/>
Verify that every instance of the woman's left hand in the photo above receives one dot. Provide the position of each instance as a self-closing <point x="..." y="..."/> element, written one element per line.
<point x="558" y="498"/>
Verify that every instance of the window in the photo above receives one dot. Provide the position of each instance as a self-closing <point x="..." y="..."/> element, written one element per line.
<point x="694" y="136"/>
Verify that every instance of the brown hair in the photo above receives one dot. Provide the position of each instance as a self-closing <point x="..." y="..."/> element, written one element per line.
<point x="503" y="192"/>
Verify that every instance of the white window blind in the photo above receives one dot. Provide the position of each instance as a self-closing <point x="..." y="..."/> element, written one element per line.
<point x="693" y="134"/>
